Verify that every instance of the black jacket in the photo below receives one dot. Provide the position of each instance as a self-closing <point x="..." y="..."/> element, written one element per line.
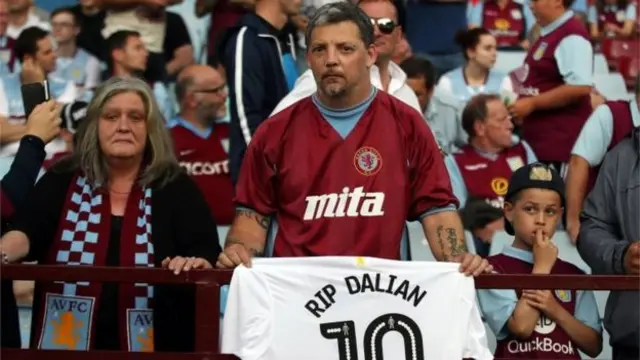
<point x="252" y="56"/>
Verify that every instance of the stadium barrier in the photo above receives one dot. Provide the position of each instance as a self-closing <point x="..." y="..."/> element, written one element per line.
<point x="208" y="282"/>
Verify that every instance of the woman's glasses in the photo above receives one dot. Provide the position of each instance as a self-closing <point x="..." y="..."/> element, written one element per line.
<point x="385" y="25"/>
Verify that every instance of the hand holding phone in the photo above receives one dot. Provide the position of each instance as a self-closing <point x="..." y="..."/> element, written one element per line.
<point x="44" y="121"/>
<point x="34" y="94"/>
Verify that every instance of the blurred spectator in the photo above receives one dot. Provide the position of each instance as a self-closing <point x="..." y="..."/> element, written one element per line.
<point x="72" y="62"/>
<point x="225" y="14"/>
<point x="123" y="164"/>
<point x="199" y="140"/>
<point x="509" y="21"/>
<point x="7" y="56"/>
<point x="483" y="167"/>
<point x="421" y="77"/>
<point x="128" y="58"/>
<point x="91" y="20"/>
<point x="386" y="75"/>
<point x="146" y="17"/>
<point x="253" y="59"/>
<point x="431" y="28"/>
<point x="72" y="116"/>
<point x="402" y="52"/>
<point x="41" y="13"/>
<point x="554" y="84"/>
<point x="21" y="17"/>
<point x="612" y="18"/>
<point x="178" y="50"/>
<point x="609" y="240"/>
<point x="35" y="51"/>
<point x="482" y="220"/>
<point x="476" y="76"/>
<point x="43" y="126"/>
<point x="566" y="321"/>
<point x="609" y="124"/>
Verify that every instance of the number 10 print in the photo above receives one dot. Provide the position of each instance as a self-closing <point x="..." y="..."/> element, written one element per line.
<point x="345" y="333"/>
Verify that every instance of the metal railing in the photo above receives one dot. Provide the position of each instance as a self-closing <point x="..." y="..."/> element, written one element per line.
<point x="207" y="284"/>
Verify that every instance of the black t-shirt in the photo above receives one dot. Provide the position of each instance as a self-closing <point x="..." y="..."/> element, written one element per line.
<point x="90" y="36"/>
<point x="176" y="35"/>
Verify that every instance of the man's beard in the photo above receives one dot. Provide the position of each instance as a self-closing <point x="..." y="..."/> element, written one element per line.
<point x="335" y="90"/>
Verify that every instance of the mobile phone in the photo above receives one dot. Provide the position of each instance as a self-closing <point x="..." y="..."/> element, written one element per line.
<point x="34" y="94"/>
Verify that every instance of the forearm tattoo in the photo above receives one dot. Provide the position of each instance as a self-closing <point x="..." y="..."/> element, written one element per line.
<point x="232" y="240"/>
<point x="449" y="236"/>
<point x="263" y="221"/>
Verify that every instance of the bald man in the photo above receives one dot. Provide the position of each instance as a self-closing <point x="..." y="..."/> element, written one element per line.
<point x="202" y="144"/>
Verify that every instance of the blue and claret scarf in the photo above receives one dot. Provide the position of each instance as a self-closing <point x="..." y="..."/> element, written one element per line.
<point x="67" y="315"/>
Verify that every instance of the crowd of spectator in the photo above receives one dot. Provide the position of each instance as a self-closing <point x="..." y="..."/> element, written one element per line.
<point x="135" y="59"/>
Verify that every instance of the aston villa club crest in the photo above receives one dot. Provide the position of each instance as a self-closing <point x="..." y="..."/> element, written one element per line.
<point x="367" y="161"/>
<point x="563" y="295"/>
<point x="540" y="51"/>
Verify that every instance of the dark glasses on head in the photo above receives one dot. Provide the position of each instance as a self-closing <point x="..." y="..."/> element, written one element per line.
<point x="385" y="25"/>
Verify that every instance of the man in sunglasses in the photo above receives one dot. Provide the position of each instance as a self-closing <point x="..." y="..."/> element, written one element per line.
<point x="386" y="75"/>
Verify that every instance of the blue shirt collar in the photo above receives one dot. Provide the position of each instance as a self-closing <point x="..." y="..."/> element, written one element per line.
<point x="635" y="114"/>
<point x="546" y="30"/>
<point x="524" y="255"/>
<point x="178" y="120"/>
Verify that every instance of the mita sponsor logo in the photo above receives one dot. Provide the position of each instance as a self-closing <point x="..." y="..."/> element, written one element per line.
<point x="348" y="203"/>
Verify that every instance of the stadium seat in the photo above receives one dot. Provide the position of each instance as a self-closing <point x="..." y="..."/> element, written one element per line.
<point x="611" y="86"/>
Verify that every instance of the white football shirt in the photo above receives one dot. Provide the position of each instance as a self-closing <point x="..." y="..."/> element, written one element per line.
<point x="352" y="308"/>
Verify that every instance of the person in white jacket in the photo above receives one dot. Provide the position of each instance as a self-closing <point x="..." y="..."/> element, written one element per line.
<point x="385" y="75"/>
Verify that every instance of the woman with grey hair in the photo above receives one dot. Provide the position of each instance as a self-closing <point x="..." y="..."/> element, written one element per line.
<point x="119" y="199"/>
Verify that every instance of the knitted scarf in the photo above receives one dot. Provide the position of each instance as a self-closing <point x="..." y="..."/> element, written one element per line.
<point x="67" y="315"/>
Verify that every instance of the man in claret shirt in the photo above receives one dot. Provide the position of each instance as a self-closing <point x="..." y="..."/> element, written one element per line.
<point x="483" y="167"/>
<point x="556" y="80"/>
<point x="201" y="144"/>
<point x="339" y="172"/>
<point x="609" y="124"/>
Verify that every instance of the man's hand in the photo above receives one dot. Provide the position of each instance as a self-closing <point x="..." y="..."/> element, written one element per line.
<point x="632" y="259"/>
<point x="542" y="300"/>
<point x="522" y="108"/>
<point x="545" y="253"/>
<point x="44" y="121"/>
<point x="473" y="265"/>
<point x="234" y="254"/>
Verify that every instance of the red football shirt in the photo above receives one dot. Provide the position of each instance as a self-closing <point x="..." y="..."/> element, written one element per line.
<point x="335" y="196"/>
<point x="207" y="162"/>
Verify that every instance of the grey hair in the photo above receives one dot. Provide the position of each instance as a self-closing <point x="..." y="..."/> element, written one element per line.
<point x="183" y="85"/>
<point x="159" y="163"/>
<point x="341" y="11"/>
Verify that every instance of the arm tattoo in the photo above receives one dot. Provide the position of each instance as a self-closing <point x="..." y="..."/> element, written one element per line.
<point x="439" y="230"/>
<point x="263" y="221"/>
<point x="457" y="246"/>
<point x="254" y="252"/>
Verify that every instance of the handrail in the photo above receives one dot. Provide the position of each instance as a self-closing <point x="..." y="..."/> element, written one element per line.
<point x="207" y="284"/>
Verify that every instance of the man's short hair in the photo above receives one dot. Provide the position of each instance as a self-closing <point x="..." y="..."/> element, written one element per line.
<point x="476" y="109"/>
<point x="66" y="10"/>
<point x="335" y="13"/>
<point x="118" y="40"/>
<point x="417" y="67"/>
<point x="27" y="42"/>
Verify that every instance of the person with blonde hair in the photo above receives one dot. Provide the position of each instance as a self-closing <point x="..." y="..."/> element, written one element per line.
<point x="119" y="199"/>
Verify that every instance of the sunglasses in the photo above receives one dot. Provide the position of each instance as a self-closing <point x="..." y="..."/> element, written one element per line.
<point x="385" y="25"/>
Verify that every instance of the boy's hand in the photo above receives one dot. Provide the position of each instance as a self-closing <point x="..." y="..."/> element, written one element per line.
<point x="542" y="300"/>
<point x="545" y="253"/>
